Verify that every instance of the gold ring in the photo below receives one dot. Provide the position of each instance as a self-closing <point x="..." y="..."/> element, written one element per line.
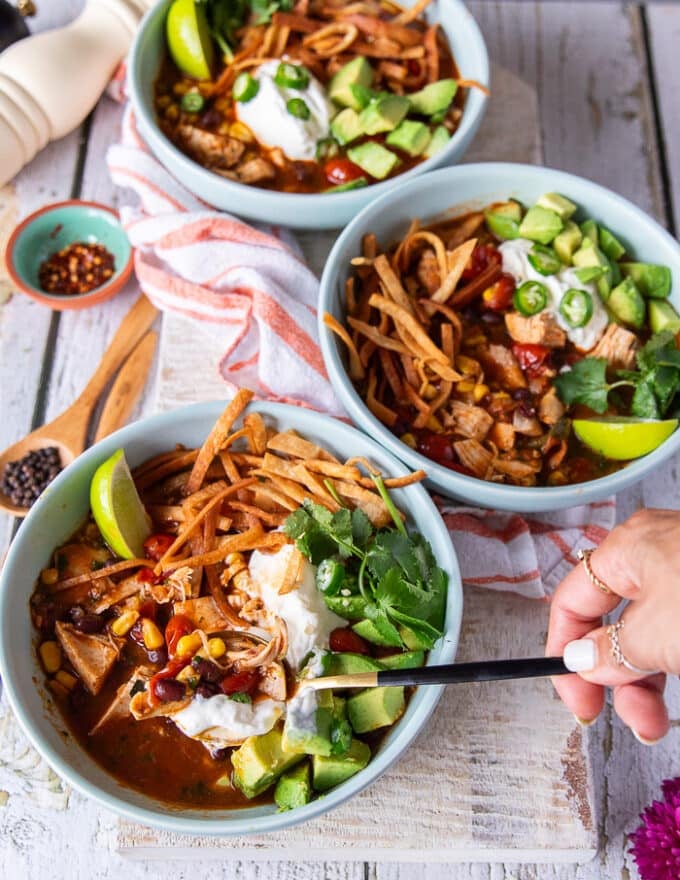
<point x="584" y="557"/>
<point x="618" y="655"/>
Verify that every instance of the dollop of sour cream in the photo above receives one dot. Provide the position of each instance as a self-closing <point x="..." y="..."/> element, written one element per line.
<point x="515" y="255"/>
<point x="267" y="116"/>
<point x="220" y="722"/>
<point x="309" y="621"/>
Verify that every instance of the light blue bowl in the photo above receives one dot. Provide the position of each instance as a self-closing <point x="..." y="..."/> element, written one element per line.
<point x="306" y="211"/>
<point x="454" y="191"/>
<point x="59" y="512"/>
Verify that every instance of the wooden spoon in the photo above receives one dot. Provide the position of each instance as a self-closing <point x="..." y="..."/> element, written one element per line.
<point x="68" y="432"/>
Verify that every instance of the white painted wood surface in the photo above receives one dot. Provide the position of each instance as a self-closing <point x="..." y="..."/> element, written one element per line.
<point x="590" y="65"/>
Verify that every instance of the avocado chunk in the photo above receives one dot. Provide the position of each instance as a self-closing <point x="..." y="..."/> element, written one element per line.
<point x="412" y="640"/>
<point x="434" y="98"/>
<point x="294" y="788"/>
<point x="557" y="203"/>
<point x="349" y="607"/>
<point x="501" y="225"/>
<point x="589" y="255"/>
<point x="383" y="114"/>
<point x="345" y="127"/>
<point x="626" y="303"/>
<point x="374" y="159"/>
<point x="540" y="224"/>
<point x="350" y="664"/>
<point x="407" y="660"/>
<point x="589" y="230"/>
<point x="651" y="280"/>
<point x="610" y="245"/>
<point x="662" y="316"/>
<point x="329" y="772"/>
<point x="410" y="136"/>
<point x="440" y="138"/>
<point x="357" y="72"/>
<point x="307" y="728"/>
<point x="511" y="209"/>
<point x="259" y="762"/>
<point x="369" y="631"/>
<point x="567" y="242"/>
<point x="589" y="273"/>
<point x="375" y="707"/>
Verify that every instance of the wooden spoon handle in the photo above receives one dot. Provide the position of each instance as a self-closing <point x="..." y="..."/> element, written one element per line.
<point x="133" y="326"/>
<point x="127" y="387"/>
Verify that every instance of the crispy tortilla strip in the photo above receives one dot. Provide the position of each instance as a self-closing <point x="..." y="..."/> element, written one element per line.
<point x="350" y="295"/>
<point x="365" y="463"/>
<point x="271" y="519"/>
<point x="371" y="503"/>
<point x="252" y="539"/>
<point x="463" y="228"/>
<point x="295" y="493"/>
<point x="108" y="570"/>
<point x="257" y="433"/>
<point x="207" y="615"/>
<point x="291" y="575"/>
<point x="332" y="39"/>
<point x="292" y="444"/>
<point x="92" y="656"/>
<point x="356" y="369"/>
<point x="431" y="238"/>
<point x="473" y="84"/>
<point x="391" y="285"/>
<point x="215" y="439"/>
<point x="465" y="295"/>
<point x="411" y="14"/>
<point x="457" y="261"/>
<point x="395" y="482"/>
<point x="386" y="415"/>
<point x="166" y="513"/>
<point x="405" y="318"/>
<point x="376" y="337"/>
<point x="119" y="707"/>
<point x="141" y="707"/>
<point x="369" y="245"/>
<point x="397" y="262"/>
<point x="329" y="469"/>
<point x="109" y="593"/>
<point x="315" y="486"/>
<point x="166" y="469"/>
<point x="157" y="460"/>
<point x="278" y="497"/>
<point x="229" y="466"/>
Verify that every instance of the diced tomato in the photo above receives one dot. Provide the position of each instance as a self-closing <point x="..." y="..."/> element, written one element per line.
<point x="179" y="625"/>
<point x="532" y="358"/>
<point x="483" y="256"/>
<point x="149" y="576"/>
<point x="345" y="640"/>
<point x="156" y="546"/>
<point x="435" y="446"/>
<point x="499" y="295"/>
<point x="339" y="171"/>
<point x="413" y="67"/>
<point x="240" y="682"/>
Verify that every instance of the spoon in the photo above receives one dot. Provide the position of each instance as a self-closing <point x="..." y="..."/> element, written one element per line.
<point x="451" y="673"/>
<point x="68" y="432"/>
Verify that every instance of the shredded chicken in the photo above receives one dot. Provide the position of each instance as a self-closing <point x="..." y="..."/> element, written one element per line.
<point x="502" y="366"/>
<point x="470" y="421"/>
<point x="256" y="170"/>
<point x="502" y="434"/>
<point x="472" y="455"/>
<point x="619" y="346"/>
<point x="525" y="424"/>
<point x="551" y="409"/>
<point x="540" y="329"/>
<point x="215" y="150"/>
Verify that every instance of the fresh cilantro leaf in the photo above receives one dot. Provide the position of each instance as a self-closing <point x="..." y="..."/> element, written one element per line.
<point x="297" y="523"/>
<point x="241" y="697"/>
<point x="361" y="528"/>
<point x="644" y="404"/>
<point x="586" y="383"/>
<point x="264" y="9"/>
<point x="660" y="350"/>
<point x="426" y="634"/>
<point x="341" y="737"/>
<point x="387" y="630"/>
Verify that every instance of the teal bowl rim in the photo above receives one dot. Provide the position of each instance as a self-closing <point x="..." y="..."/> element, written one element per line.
<point x="74" y="301"/>
<point x="452" y="484"/>
<point x="227" y="823"/>
<point x="184" y="167"/>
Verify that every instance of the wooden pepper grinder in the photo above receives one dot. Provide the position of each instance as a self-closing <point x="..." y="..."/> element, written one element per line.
<point x="50" y="81"/>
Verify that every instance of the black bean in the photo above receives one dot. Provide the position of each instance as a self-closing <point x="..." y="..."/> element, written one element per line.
<point x="220" y="754"/>
<point x="527" y="410"/>
<point x="89" y="623"/>
<point x="521" y="394"/>
<point x="169" y="689"/>
<point x="491" y="317"/>
<point x="160" y="656"/>
<point x="207" y="689"/>
<point x="206" y="670"/>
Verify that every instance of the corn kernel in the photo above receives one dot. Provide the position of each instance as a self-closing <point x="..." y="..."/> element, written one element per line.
<point x="122" y="625"/>
<point x="69" y="681"/>
<point x="475" y="340"/>
<point x="185" y="675"/>
<point x="223" y="128"/>
<point x="488" y="294"/>
<point x="465" y="387"/>
<point x="241" y="131"/>
<point x="433" y="424"/>
<point x="172" y="113"/>
<point x="428" y="391"/>
<point x="500" y="395"/>
<point x="216" y="648"/>
<point x="58" y="688"/>
<point x="480" y="391"/>
<point x="49" y="576"/>
<point x="163" y="102"/>
<point x="188" y="645"/>
<point x="180" y="88"/>
<point x="50" y="654"/>
<point x="409" y="440"/>
<point x="151" y="635"/>
<point x="466" y="364"/>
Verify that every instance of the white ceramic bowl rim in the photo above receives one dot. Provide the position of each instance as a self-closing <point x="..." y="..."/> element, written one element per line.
<point x="488" y="494"/>
<point x="230" y="824"/>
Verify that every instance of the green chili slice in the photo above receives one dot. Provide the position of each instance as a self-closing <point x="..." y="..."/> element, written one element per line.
<point x="291" y="76"/>
<point x="326" y="148"/>
<point x="576" y="307"/>
<point x="245" y="87"/>
<point x="193" y="102"/>
<point x="544" y="259"/>
<point x="330" y="576"/>
<point x="530" y="298"/>
<point x="297" y="107"/>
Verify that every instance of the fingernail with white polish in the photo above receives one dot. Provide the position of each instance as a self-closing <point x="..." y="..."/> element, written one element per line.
<point x="645" y="742"/>
<point x="585" y="722"/>
<point x="580" y="656"/>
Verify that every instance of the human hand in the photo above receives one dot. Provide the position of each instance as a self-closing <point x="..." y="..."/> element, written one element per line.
<point x="639" y="561"/>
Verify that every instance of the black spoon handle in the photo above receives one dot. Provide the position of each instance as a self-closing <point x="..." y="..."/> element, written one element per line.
<point x="485" y="670"/>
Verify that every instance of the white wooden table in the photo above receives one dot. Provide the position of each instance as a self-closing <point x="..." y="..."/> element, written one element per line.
<point x="606" y="78"/>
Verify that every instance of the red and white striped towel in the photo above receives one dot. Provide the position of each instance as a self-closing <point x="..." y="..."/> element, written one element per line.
<point x="252" y="287"/>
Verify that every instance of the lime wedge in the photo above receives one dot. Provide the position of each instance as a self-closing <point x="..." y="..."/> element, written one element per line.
<point x="622" y="438"/>
<point x="189" y="39"/>
<point x="117" y="508"/>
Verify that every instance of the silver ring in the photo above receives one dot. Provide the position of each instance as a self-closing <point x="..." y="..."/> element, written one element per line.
<point x="613" y="632"/>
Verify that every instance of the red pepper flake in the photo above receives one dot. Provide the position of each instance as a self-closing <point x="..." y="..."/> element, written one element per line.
<point x="77" y="268"/>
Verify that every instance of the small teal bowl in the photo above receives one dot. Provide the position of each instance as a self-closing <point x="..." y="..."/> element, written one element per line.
<point x="56" y="226"/>
<point x="453" y="191"/>
<point x="62" y="508"/>
<point x="305" y="211"/>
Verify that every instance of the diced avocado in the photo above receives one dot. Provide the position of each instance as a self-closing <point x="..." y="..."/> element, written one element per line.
<point x="589" y="273"/>
<point x="368" y="630"/>
<point x="626" y="303"/>
<point x="383" y="114"/>
<point x="540" y="224"/>
<point x="440" y="138"/>
<point x="349" y="607"/>
<point x="412" y="640"/>
<point x="568" y="241"/>
<point x="259" y="762"/>
<point x="357" y="72"/>
<point x="374" y="159"/>
<point x="359" y="183"/>
<point x="346" y="127"/>
<point x="294" y="788"/>
<point x="329" y="772"/>
<point x="511" y="209"/>
<point x="433" y="98"/>
<point x="349" y="664"/>
<point x="407" y="660"/>
<point x="589" y="230"/>
<point x="501" y="225"/>
<point x="557" y="203"/>
<point x="651" y="280"/>
<point x="375" y="707"/>
<point x="307" y="728"/>
<point x="610" y="245"/>
<point x="662" y="316"/>
<point x="410" y="136"/>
